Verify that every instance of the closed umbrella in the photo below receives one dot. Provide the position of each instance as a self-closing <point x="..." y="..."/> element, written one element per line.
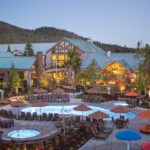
<point x="18" y="104"/>
<point x="82" y="108"/>
<point x="146" y="146"/>
<point x="128" y="135"/>
<point x="39" y="104"/>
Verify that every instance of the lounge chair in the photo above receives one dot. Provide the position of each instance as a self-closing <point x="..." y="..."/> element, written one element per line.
<point x="105" y="129"/>
<point x="98" y="135"/>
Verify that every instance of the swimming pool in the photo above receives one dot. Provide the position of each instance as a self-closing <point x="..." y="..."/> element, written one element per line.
<point x="23" y="133"/>
<point x="121" y="103"/>
<point x="68" y="109"/>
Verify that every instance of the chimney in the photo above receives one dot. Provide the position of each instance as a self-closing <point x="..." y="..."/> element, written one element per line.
<point x="90" y="40"/>
<point x="39" y="64"/>
<point x="108" y="54"/>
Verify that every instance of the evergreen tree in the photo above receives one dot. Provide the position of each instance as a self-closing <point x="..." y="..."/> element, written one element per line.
<point x="9" y="49"/>
<point x="73" y="64"/>
<point x="144" y="68"/>
<point x="14" y="80"/>
<point x="28" y="50"/>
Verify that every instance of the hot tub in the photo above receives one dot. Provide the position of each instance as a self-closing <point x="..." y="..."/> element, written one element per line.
<point x="23" y="133"/>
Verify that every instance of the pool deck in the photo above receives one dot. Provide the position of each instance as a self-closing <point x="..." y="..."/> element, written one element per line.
<point x="111" y="143"/>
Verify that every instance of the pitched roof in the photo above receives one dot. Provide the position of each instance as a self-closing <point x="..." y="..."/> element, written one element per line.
<point x="24" y="63"/>
<point x="4" y="53"/>
<point x="128" y="60"/>
<point x="85" y="46"/>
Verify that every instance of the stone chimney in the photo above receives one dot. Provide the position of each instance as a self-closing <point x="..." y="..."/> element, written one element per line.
<point x="39" y="64"/>
<point x="108" y="54"/>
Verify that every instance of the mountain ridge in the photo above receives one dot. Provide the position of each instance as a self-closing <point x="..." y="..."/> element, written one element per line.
<point x="10" y="34"/>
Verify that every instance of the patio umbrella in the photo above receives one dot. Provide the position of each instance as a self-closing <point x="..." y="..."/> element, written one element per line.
<point x="131" y="94"/>
<point x="58" y="90"/>
<point x="92" y="91"/>
<point x="98" y="115"/>
<point x="82" y="108"/>
<point x="120" y="109"/>
<point x="146" y="146"/>
<point x="145" y="114"/>
<point x="128" y="135"/>
<point x="18" y="104"/>
<point x="40" y="90"/>
<point x="39" y="104"/>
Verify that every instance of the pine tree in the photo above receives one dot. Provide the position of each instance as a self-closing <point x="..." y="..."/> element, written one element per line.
<point x="9" y="49"/>
<point x="28" y="50"/>
<point x="144" y="68"/>
<point x="14" y="80"/>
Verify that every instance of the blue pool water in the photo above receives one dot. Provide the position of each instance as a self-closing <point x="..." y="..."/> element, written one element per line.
<point x="21" y="134"/>
<point x="120" y="103"/>
<point x="68" y="109"/>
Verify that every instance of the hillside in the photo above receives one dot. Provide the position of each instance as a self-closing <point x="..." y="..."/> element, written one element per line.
<point x="13" y="34"/>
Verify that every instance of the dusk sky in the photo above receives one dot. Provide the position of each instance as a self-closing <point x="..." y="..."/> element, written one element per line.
<point x="122" y="22"/>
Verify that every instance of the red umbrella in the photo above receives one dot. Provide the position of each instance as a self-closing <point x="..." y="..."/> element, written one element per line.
<point x="98" y="115"/>
<point x="92" y="91"/>
<point x="131" y="94"/>
<point x="39" y="104"/>
<point x="18" y="104"/>
<point x="82" y="108"/>
<point x="40" y="90"/>
<point x="145" y="114"/>
<point x="120" y="109"/>
<point x="58" y="90"/>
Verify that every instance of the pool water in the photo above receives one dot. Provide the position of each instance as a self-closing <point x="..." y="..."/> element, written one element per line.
<point x="21" y="134"/>
<point x="68" y="109"/>
<point x="120" y="103"/>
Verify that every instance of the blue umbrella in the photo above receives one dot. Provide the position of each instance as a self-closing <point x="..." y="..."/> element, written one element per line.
<point x="128" y="135"/>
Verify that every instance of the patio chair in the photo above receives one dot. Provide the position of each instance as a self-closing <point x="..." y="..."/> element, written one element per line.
<point x="56" y="117"/>
<point x="120" y="123"/>
<point x="113" y="121"/>
<point x="29" y="116"/>
<point x="12" y="123"/>
<point x="44" y="117"/>
<point x="126" y="123"/>
<point x="11" y="115"/>
<point x="105" y="129"/>
<point x="77" y="119"/>
<point x="23" y="116"/>
<point x="98" y="135"/>
<point x="35" y="116"/>
<point x="50" y="117"/>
